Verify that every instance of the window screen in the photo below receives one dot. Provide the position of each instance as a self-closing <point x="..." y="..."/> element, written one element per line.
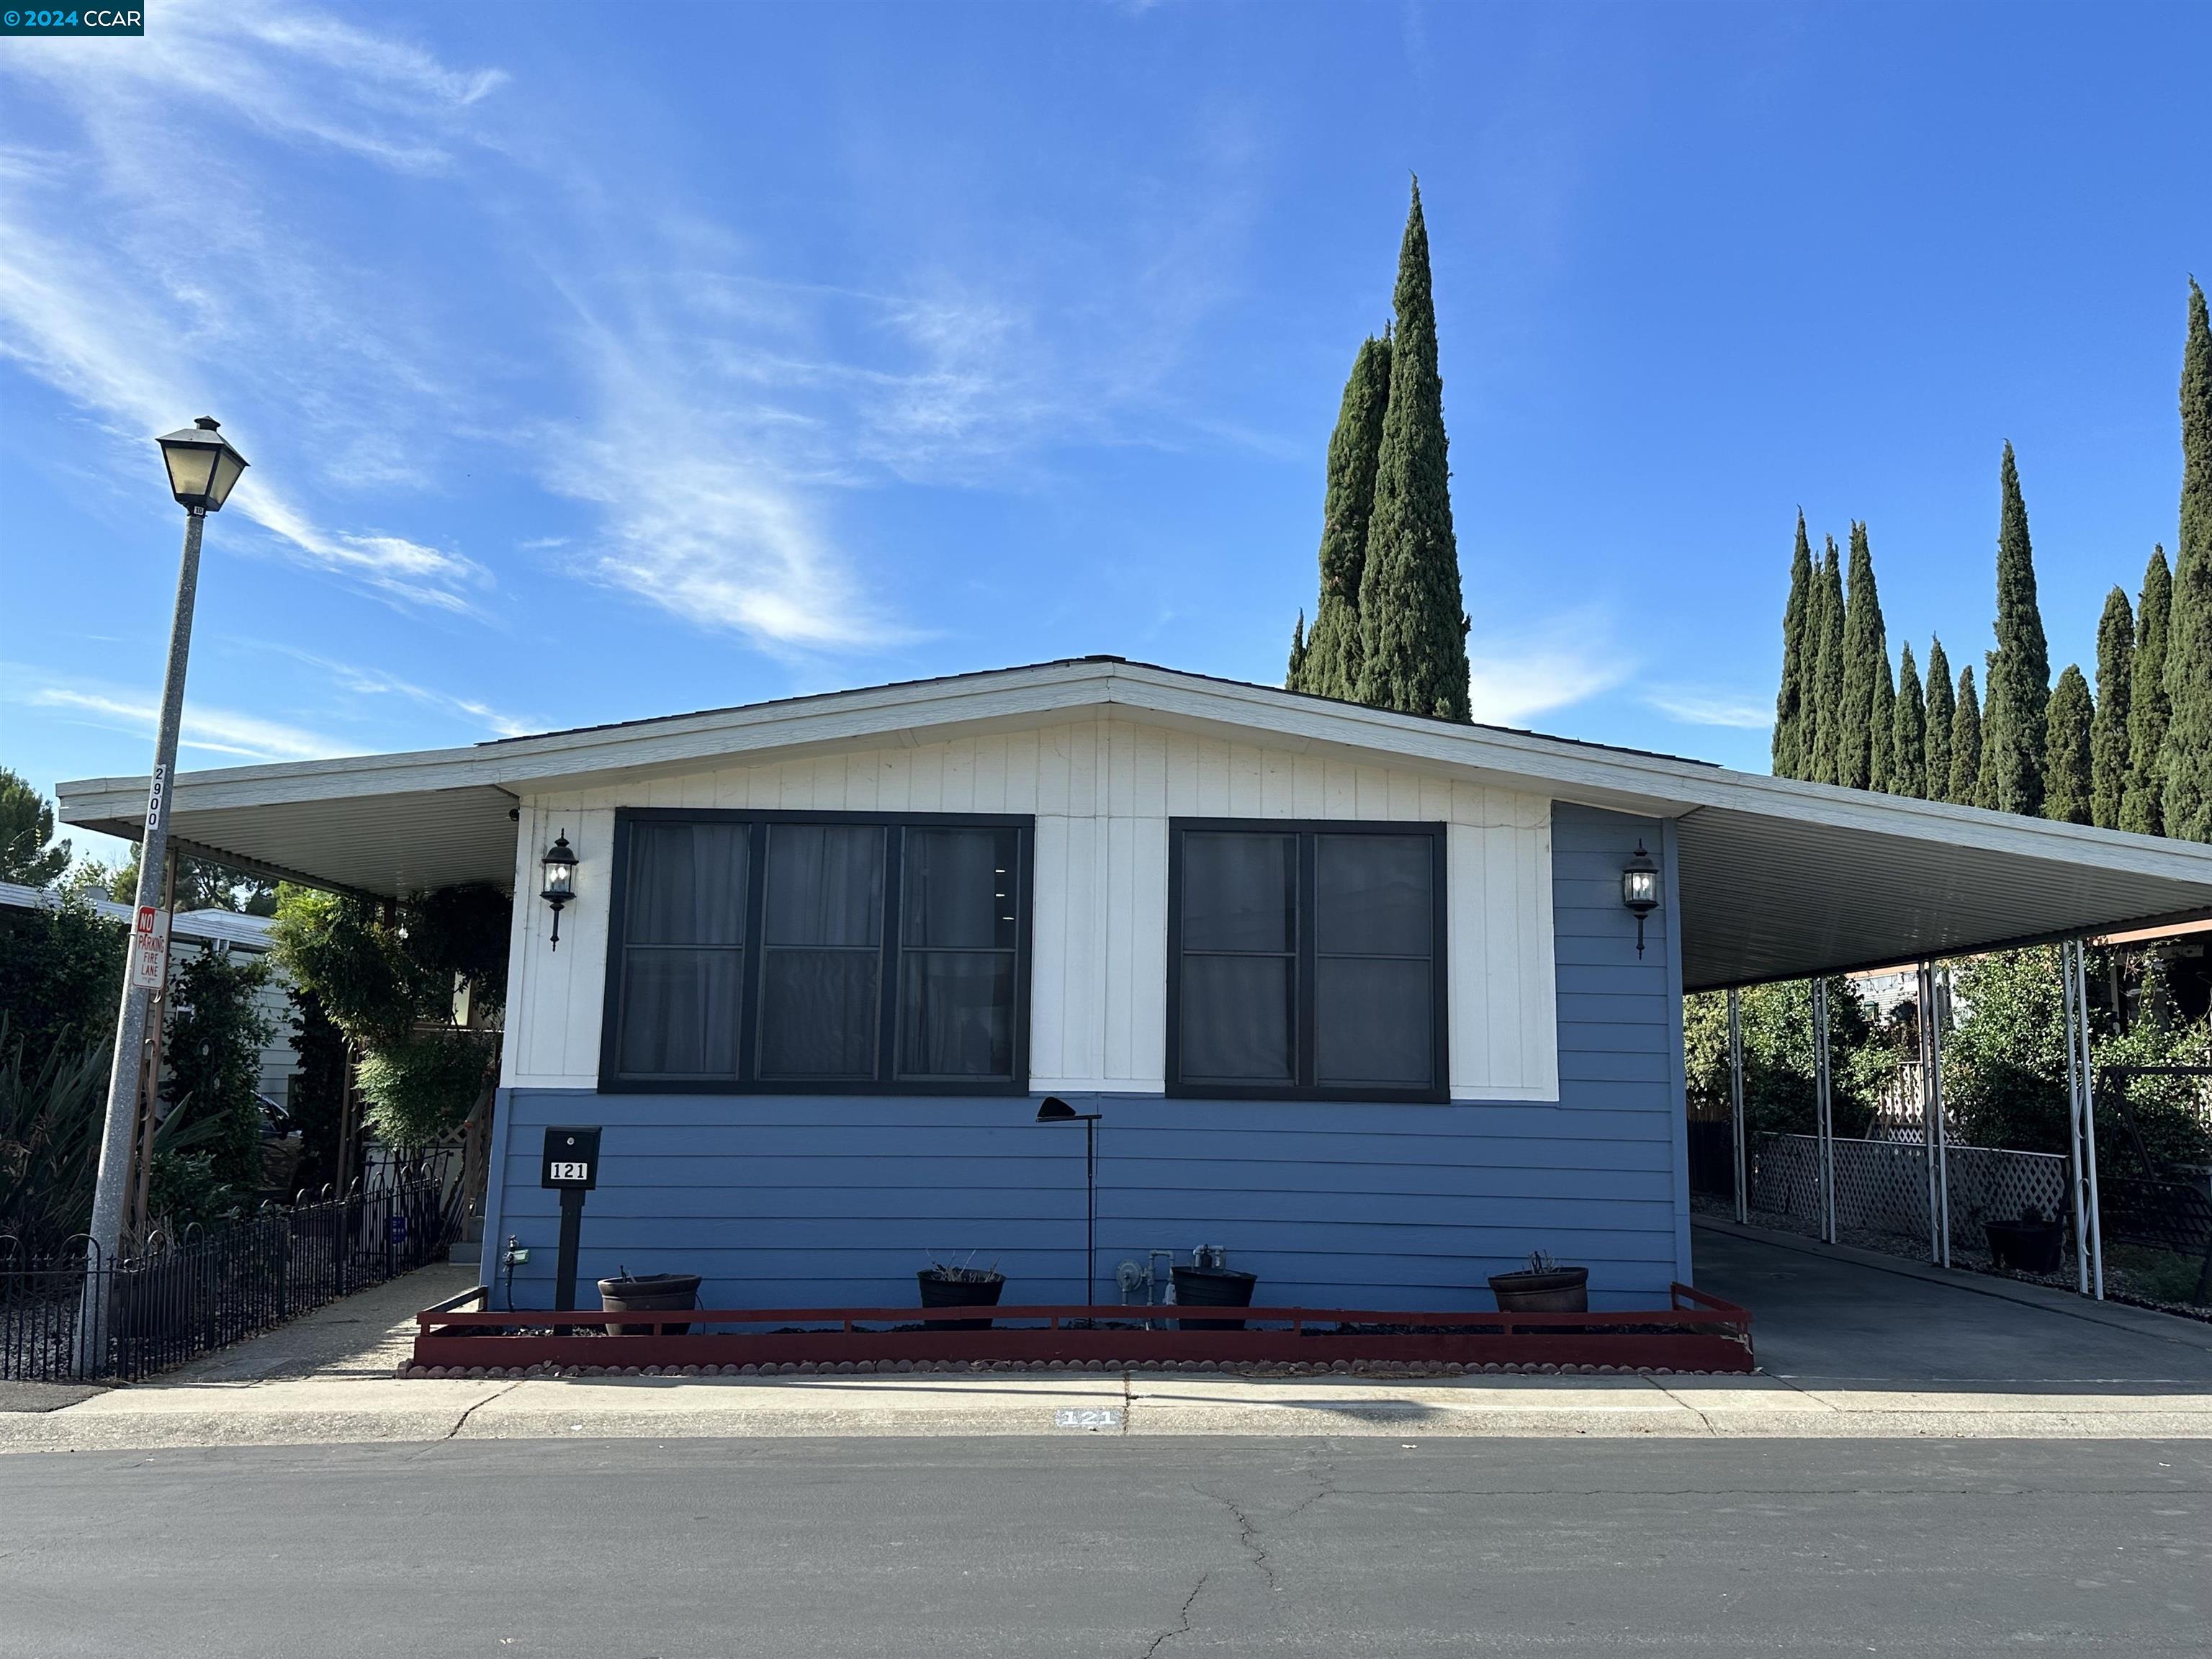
<point x="1307" y="960"/>
<point x="818" y="951"/>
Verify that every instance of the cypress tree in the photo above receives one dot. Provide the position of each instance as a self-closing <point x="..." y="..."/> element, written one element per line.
<point x="2188" y="747"/>
<point x="1882" y="765"/>
<point x="2066" y="785"/>
<point x="1965" y="786"/>
<point x="1908" y="749"/>
<point x="2108" y="731"/>
<point x="1413" y="632"/>
<point x="1295" y="679"/>
<point x="1827" y="706"/>
<point x="2142" y="808"/>
<point x="1866" y="660"/>
<point x="1788" y="760"/>
<point x="1332" y="659"/>
<point x="2015" y="734"/>
<point x="1942" y="705"/>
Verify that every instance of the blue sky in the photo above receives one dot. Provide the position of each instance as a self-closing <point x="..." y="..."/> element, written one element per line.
<point x="597" y="362"/>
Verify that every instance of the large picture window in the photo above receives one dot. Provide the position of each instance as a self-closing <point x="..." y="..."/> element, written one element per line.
<point x="1306" y="960"/>
<point x="818" y="951"/>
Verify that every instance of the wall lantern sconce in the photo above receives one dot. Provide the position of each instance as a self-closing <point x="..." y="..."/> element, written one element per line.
<point x="1056" y="1110"/>
<point x="560" y="880"/>
<point x="1639" y="890"/>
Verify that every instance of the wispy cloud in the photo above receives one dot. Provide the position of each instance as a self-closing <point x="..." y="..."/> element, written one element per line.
<point x="1696" y="707"/>
<point x="213" y="729"/>
<point x="1541" y="666"/>
<point x="149" y="273"/>
<point x="372" y="683"/>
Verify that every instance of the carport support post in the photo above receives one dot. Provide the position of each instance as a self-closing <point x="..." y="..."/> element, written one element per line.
<point x="1736" y="1105"/>
<point x="2081" y="1113"/>
<point x="1933" y="1130"/>
<point x="1824" y="1119"/>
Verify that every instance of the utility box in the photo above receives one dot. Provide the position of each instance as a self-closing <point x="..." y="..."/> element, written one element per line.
<point x="572" y="1159"/>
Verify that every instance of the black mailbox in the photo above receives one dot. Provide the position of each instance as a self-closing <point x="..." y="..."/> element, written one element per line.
<point x="572" y="1159"/>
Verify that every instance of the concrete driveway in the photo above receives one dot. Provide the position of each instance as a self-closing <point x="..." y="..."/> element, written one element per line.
<point x="1827" y="1317"/>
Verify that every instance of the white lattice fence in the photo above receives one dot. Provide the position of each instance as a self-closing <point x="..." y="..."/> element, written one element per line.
<point x="1881" y="1186"/>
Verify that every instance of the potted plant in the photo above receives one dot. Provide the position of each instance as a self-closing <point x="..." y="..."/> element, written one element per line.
<point x="947" y="1285"/>
<point x="630" y="1292"/>
<point x="2032" y="1244"/>
<point x="1543" y="1287"/>
<point x="1211" y="1282"/>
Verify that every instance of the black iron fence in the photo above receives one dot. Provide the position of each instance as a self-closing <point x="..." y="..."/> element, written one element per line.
<point x="73" y="1316"/>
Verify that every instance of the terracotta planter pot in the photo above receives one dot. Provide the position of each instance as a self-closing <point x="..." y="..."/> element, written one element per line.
<point x="1565" y="1290"/>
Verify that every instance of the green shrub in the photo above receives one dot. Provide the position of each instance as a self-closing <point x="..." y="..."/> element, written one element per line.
<point x="425" y="1087"/>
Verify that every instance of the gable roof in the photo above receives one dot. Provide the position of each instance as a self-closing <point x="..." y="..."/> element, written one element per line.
<point x="1779" y="878"/>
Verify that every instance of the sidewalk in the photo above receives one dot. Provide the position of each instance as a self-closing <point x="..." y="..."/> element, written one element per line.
<point x="329" y="1378"/>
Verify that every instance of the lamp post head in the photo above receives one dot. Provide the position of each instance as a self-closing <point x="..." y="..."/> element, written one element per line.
<point x="203" y="465"/>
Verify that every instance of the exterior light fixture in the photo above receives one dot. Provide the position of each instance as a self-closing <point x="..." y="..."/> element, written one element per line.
<point x="202" y="466"/>
<point x="559" y="863"/>
<point x="1639" y="890"/>
<point x="1054" y="1109"/>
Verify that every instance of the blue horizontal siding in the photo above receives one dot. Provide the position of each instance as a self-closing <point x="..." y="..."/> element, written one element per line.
<point x="825" y="1200"/>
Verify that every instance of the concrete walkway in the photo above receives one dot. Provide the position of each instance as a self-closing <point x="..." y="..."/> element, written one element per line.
<point x="1854" y="1346"/>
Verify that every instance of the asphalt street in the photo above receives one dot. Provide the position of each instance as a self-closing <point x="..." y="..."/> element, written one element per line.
<point x="1093" y="1545"/>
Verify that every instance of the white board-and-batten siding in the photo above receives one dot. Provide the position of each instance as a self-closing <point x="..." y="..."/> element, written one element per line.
<point x="1102" y="791"/>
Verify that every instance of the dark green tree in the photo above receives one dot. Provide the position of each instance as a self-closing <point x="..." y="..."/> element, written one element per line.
<point x="1294" y="679"/>
<point x="2188" y="749"/>
<point x="1330" y="661"/>
<point x="2067" y="789"/>
<point x="1789" y="703"/>
<point x="1882" y="765"/>
<point x="1942" y="703"/>
<point x="2013" y="736"/>
<point x="60" y="970"/>
<point x="1827" y="706"/>
<point x="28" y="851"/>
<point x="2108" y="732"/>
<point x="1866" y="650"/>
<point x="1908" y="749"/>
<point x="1965" y="786"/>
<point x="211" y="1051"/>
<point x="2142" y="808"/>
<point x="1413" y="630"/>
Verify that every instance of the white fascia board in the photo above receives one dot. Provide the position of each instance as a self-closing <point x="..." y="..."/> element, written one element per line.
<point x="1622" y="780"/>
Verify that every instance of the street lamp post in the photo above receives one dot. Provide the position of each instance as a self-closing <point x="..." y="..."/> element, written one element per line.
<point x="202" y="466"/>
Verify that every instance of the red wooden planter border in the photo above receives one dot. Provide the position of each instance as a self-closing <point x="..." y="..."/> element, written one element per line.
<point x="1702" y="1333"/>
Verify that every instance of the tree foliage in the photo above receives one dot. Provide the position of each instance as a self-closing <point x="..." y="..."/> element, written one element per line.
<point x="1865" y="646"/>
<point x="2142" y="807"/>
<point x="425" y="1086"/>
<point x="1823" y="757"/>
<point x="2108" y="729"/>
<point x="211" y="1047"/>
<point x="1942" y="705"/>
<point x="61" y="973"/>
<point x="2015" y="734"/>
<point x="1412" y="628"/>
<point x="2187" y="751"/>
<point x="1779" y="1088"/>
<point x="28" y="851"/>
<point x="1965" y="743"/>
<point x="1908" y="762"/>
<point x="2067" y="785"/>
<point x="1789" y="701"/>
<point x="1329" y="663"/>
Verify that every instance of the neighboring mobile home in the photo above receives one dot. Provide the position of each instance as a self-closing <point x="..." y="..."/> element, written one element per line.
<point x="1356" y="993"/>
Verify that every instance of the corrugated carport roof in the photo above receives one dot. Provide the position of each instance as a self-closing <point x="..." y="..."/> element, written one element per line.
<point x="1778" y="879"/>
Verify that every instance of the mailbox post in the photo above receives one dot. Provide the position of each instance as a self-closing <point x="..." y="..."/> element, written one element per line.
<point x="571" y="1167"/>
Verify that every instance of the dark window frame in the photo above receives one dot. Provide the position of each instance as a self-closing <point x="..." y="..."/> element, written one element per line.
<point x="890" y="946"/>
<point x="1303" y="1036"/>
